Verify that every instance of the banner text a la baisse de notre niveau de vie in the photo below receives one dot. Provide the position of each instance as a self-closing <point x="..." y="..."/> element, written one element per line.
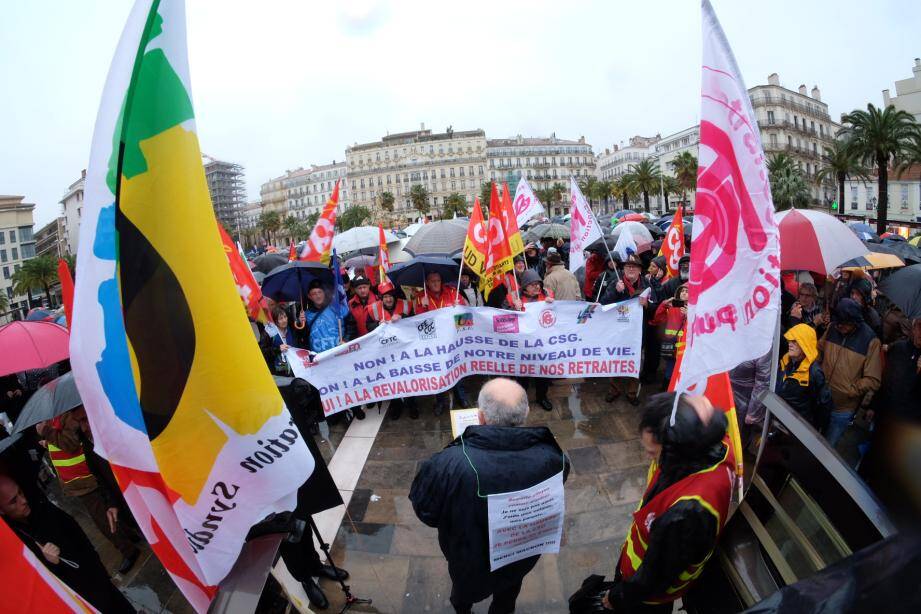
<point x="430" y="353"/>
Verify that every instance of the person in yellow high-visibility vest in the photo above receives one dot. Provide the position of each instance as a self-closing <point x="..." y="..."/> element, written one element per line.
<point x="86" y="477"/>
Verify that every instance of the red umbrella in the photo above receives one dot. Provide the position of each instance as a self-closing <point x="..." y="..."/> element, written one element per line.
<point x="815" y="241"/>
<point x="634" y="217"/>
<point x="32" y="345"/>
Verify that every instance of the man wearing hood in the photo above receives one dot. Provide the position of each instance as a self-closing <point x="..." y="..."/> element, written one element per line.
<point x="801" y="382"/>
<point x="689" y="486"/>
<point x="850" y="360"/>
<point x="451" y="489"/>
<point x="862" y="294"/>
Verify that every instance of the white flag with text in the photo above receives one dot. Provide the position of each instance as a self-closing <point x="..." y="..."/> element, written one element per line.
<point x="526" y="204"/>
<point x="584" y="229"/>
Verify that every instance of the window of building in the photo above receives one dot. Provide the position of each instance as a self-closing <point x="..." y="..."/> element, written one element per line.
<point x="12" y="236"/>
<point x="6" y="272"/>
<point x="815" y="148"/>
<point x="2" y="255"/>
<point x="812" y="126"/>
<point x="443" y="175"/>
<point x="462" y="171"/>
<point x="796" y="121"/>
<point x="789" y="141"/>
<point x="770" y="117"/>
<point x="452" y="171"/>
<point x="471" y="171"/>
<point x="774" y="140"/>
<point x="453" y="185"/>
<point x="871" y="199"/>
<point x="14" y="253"/>
<point x="903" y="193"/>
<point x="25" y="233"/>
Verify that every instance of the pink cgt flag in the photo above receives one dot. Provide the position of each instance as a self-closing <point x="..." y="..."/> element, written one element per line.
<point x="735" y="254"/>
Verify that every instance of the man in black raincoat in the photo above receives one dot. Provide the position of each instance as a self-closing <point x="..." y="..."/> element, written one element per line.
<point x="449" y="494"/>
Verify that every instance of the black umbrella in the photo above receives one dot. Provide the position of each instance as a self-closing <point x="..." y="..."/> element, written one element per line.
<point x="51" y="400"/>
<point x="413" y="272"/>
<point x="290" y="282"/>
<point x="267" y="262"/>
<point x="904" y="250"/>
<point x="904" y="289"/>
<point x="598" y="245"/>
<point x="6" y="442"/>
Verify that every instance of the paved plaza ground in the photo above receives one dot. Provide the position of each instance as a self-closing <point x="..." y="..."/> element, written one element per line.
<point x="395" y="560"/>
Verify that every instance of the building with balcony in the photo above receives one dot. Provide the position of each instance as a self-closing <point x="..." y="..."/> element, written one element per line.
<point x="273" y="195"/>
<point x="249" y="216"/>
<point x="311" y="189"/>
<point x="17" y="244"/>
<point x="861" y="198"/>
<point x="443" y="163"/>
<point x="907" y="93"/>
<point x="72" y="212"/>
<point x="227" y="187"/>
<point x="796" y="123"/>
<point x="615" y="162"/>
<point x="50" y="239"/>
<point x="543" y="161"/>
<point x="667" y="149"/>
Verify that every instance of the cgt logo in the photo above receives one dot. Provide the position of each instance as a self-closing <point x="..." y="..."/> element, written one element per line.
<point x="388" y="340"/>
<point x="506" y="323"/>
<point x="463" y="321"/>
<point x="586" y="314"/>
<point x="426" y="329"/>
<point x="353" y="347"/>
<point x="306" y="358"/>
<point x="547" y="318"/>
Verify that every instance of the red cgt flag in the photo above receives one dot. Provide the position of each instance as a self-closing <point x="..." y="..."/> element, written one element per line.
<point x="673" y="244"/>
<point x="249" y="290"/>
<point x="320" y="243"/>
<point x="67" y="290"/>
<point x="383" y="254"/>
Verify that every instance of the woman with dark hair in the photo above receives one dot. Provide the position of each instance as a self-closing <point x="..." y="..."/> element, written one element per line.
<point x="684" y="508"/>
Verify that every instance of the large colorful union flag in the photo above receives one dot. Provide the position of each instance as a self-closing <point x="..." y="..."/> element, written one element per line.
<point x="735" y="256"/>
<point x="178" y="396"/>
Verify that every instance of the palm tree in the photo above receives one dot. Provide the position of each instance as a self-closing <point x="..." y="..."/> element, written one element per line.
<point x="387" y="200"/>
<point x="486" y="193"/>
<point x="621" y="189"/>
<point x="270" y="223"/>
<point x="353" y="216"/>
<point x="840" y="163"/>
<point x="4" y="303"/>
<point x="292" y="227"/>
<point x="599" y="191"/>
<point x="780" y="163"/>
<point x="685" y="166"/>
<point x="670" y="185"/>
<point x="37" y="273"/>
<point x="645" y="178"/>
<point x="587" y="185"/>
<point x="880" y="137"/>
<point x="311" y="220"/>
<point x="456" y="205"/>
<point x="789" y="187"/>
<point x="419" y="197"/>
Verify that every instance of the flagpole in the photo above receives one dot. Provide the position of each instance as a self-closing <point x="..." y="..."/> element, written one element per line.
<point x="459" y="275"/>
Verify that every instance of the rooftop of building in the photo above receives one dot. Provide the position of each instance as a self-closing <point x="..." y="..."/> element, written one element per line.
<point x="13" y="202"/>
<point x="423" y="135"/>
<point x="539" y="141"/>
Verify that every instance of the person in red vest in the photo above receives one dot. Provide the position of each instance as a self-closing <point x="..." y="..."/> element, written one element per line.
<point x="532" y="291"/>
<point x="676" y="527"/>
<point x="388" y="309"/>
<point x="359" y="303"/>
<point x="435" y="295"/>
<point x="673" y="313"/>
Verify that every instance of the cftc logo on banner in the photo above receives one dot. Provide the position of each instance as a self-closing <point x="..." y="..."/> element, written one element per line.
<point x="426" y="329"/>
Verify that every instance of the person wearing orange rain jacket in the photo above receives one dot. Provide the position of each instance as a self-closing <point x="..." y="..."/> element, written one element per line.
<point x="801" y="381"/>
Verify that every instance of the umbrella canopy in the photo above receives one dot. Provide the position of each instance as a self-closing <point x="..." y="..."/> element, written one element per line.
<point x="815" y="241"/>
<point x="904" y="289"/>
<point x="444" y="238"/>
<point x="602" y="246"/>
<point x="413" y="272"/>
<point x="6" y="442"/>
<point x="267" y="262"/>
<point x="654" y="230"/>
<point x="361" y="238"/>
<point x="622" y="213"/>
<point x="633" y="217"/>
<point x="51" y="400"/>
<point x="360" y="261"/>
<point x="907" y="252"/>
<point x="641" y="234"/>
<point x="259" y="276"/>
<point x="915" y="240"/>
<point x="891" y="236"/>
<point x="40" y="315"/>
<point x="547" y="231"/>
<point x="864" y="231"/>
<point x="874" y="260"/>
<point x="32" y="345"/>
<point x="412" y="228"/>
<point x="290" y="281"/>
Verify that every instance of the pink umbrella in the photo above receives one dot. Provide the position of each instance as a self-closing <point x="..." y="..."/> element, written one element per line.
<point x="815" y="241"/>
<point x="32" y="345"/>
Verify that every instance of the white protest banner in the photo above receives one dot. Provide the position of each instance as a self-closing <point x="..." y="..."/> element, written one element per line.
<point x="526" y="522"/>
<point x="584" y="229"/>
<point x="430" y="353"/>
<point x="525" y="204"/>
<point x="734" y="289"/>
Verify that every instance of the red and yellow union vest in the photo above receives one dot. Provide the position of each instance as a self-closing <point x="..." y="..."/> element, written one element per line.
<point x="377" y="312"/>
<point x="711" y="488"/>
<point x="70" y="466"/>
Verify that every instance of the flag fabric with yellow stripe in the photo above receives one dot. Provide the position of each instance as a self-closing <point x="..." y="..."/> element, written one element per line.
<point x="510" y="223"/>
<point x="320" y="243"/>
<point x="178" y="395"/>
<point x="475" y="245"/>
<point x="499" y="257"/>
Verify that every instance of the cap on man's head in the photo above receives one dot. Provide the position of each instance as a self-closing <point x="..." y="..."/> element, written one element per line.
<point x="847" y="311"/>
<point x="361" y="281"/>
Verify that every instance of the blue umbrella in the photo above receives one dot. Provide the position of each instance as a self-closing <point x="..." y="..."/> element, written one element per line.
<point x="290" y="282"/>
<point x="864" y="231"/>
<point x="622" y="213"/>
<point x="413" y="272"/>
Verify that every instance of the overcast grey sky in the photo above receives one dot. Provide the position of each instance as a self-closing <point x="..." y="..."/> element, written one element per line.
<point x="280" y="84"/>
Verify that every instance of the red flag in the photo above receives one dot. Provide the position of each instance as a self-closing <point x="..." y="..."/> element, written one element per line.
<point x="498" y="250"/>
<point x="292" y="252"/>
<point x="67" y="289"/>
<point x="249" y="290"/>
<point x="320" y="242"/>
<point x="32" y="588"/>
<point x="673" y="244"/>
<point x="510" y="223"/>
